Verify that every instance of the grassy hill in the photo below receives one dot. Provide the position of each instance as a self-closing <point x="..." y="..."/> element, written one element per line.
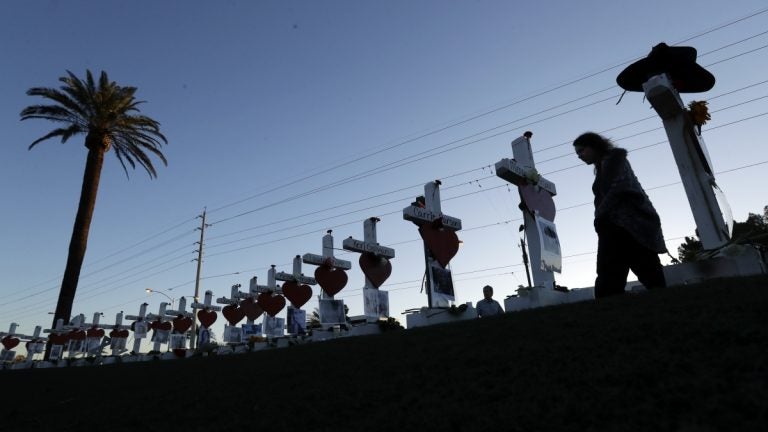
<point x="691" y="358"/>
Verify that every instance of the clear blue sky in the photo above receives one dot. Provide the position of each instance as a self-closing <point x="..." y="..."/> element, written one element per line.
<point x="255" y="95"/>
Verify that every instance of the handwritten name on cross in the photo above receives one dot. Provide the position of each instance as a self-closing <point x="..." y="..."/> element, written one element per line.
<point x="536" y="194"/>
<point x="711" y="211"/>
<point x="440" y="243"/>
<point x="139" y="327"/>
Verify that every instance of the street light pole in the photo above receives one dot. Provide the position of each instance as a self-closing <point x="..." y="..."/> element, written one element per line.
<point x="150" y="291"/>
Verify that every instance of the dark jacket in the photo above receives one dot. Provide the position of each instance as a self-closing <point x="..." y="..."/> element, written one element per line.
<point x="621" y="200"/>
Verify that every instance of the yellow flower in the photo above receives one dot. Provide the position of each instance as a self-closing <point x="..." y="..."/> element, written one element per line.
<point x="699" y="112"/>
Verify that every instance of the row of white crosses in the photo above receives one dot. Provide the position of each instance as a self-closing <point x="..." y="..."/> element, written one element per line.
<point x="12" y="339"/>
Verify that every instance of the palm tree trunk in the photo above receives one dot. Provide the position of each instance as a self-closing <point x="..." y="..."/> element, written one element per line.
<point x="79" y="241"/>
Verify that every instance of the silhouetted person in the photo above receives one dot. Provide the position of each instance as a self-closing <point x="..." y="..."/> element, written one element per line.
<point x="488" y="306"/>
<point x="628" y="227"/>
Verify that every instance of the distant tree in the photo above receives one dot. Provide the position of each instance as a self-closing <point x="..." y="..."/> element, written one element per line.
<point x="752" y="231"/>
<point x="107" y="114"/>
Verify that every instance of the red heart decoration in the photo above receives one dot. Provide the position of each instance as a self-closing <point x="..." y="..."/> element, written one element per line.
<point x="233" y="313"/>
<point x="297" y="294"/>
<point x="117" y="334"/>
<point x="180" y="352"/>
<point x="375" y="268"/>
<point x="272" y="304"/>
<point x="251" y="308"/>
<point x="182" y="323"/>
<point x="94" y="332"/>
<point x="161" y="325"/>
<point x="77" y="335"/>
<point x="442" y="243"/>
<point x="538" y="199"/>
<point x="331" y="280"/>
<point x="10" y="342"/>
<point x="206" y="317"/>
<point x="58" y="339"/>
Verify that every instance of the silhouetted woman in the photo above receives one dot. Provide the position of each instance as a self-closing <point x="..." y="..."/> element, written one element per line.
<point x="628" y="227"/>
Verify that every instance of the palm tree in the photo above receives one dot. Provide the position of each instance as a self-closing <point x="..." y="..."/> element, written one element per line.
<point x="107" y="114"/>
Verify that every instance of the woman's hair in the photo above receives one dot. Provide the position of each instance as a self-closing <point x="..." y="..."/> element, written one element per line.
<point x="594" y="141"/>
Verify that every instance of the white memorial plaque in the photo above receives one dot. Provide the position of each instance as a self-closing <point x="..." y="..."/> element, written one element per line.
<point x="35" y="348"/>
<point x="376" y="303"/>
<point x="331" y="311"/>
<point x="273" y="326"/>
<point x="233" y="334"/>
<point x="442" y="285"/>
<point x="56" y="351"/>
<point x="76" y="346"/>
<point x="161" y="336"/>
<point x="297" y="321"/>
<point x="117" y="344"/>
<point x="251" y="330"/>
<point x="7" y="356"/>
<point x="140" y="330"/>
<point x="177" y="341"/>
<point x="551" y="256"/>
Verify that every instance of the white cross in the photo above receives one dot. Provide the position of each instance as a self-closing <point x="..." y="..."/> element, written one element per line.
<point x="182" y="310"/>
<point x="206" y="305"/>
<point x="141" y="318"/>
<point x="372" y="297"/>
<point x="430" y="212"/>
<point x="713" y="218"/>
<point x="326" y="258"/>
<point x="522" y="171"/>
<point x="297" y="275"/>
<point x="160" y="316"/>
<point x="235" y="294"/>
<point x="117" y="346"/>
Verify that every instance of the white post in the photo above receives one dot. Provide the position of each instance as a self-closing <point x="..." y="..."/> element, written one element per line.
<point x="712" y="216"/>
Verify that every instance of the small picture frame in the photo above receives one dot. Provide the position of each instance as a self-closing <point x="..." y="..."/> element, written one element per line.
<point x="140" y="330"/>
<point x="251" y="330"/>
<point x="177" y="341"/>
<point x="233" y="334"/>
<point x="331" y="312"/>
<point x="56" y="352"/>
<point x="7" y="356"/>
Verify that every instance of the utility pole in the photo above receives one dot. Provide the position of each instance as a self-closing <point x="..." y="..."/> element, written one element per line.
<point x="193" y="342"/>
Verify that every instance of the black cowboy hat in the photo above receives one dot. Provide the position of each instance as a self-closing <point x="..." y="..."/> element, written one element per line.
<point x="678" y="62"/>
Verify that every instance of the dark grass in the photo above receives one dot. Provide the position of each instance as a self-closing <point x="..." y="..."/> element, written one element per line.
<point x="683" y="359"/>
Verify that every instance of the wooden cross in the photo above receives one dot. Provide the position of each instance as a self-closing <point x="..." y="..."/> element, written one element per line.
<point x="139" y="324"/>
<point x="426" y="212"/>
<point x="536" y="194"/>
<point x="711" y="212"/>
<point x="326" y="258"/>
<point x="159" y="336"/>
<point x="117" y="344"/>
<point x="376" y="301"/>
